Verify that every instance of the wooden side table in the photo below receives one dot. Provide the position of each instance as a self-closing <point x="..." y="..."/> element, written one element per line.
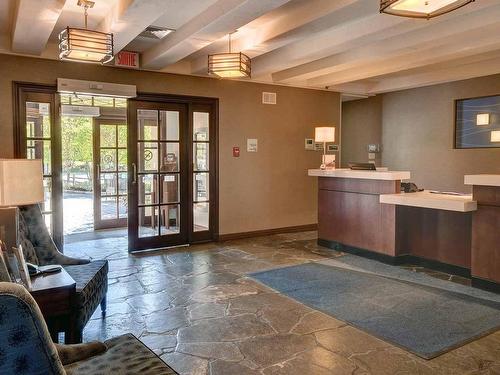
<point x="54" y="294"/>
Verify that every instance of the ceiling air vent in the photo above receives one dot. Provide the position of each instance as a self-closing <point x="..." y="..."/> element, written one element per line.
<point x="268" y="98"/>
<point x="156" y="33"/>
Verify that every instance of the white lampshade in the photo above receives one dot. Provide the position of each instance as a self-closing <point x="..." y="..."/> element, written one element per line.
<point x="21" y="182"/>
<point x="324" y="134"/>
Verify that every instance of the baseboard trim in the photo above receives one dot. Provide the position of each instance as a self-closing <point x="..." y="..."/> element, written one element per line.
<point x="267" y="232"/>
<point x="398" y="260"/>
<point x="488" y="285"/>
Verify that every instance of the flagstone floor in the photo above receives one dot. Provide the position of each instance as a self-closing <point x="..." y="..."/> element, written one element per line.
<point x="195" y="307"/>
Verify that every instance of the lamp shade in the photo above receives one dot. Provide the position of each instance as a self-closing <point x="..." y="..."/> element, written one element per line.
<point x="85" y="45"/>
<point x="421" y="8"/>
<point x="229" y="65"/>
<point x="324" y="134"/>
<point x="21" y="182"/>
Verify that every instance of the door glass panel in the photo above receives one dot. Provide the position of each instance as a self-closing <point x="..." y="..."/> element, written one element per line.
<point x="147" y="122"/>
<point x="169" y="125"/>
<point x="148" y="156"/>
<point x="148" y="191"/>
<point x="201" y="187"/>
<point x="169" y="157"/>
<point x="37" y="149"/>
<point x="48" y="221"/>
<point x="108" y="136"/>
<point x="170" y="219"/>
<point x="123" y="207"/>
<point x="47" y="188"/>
<point x="201" y="216"/>
<point x="122" y="183"/>
<point x="200" y="126"/>
<point x="122" y="160"/>
<point x="200" y="156"/>
<point x="170" y="188"/>
<point x="108" y="160"/>
<point x="108" y="208"/>
<point x="148" y="221"/>
<point x="37" y="120"/>
<point x="122" y="135"/>
<point x="108" y="183"/>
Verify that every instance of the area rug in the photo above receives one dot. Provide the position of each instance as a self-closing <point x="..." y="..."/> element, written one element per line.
<point x="424" y="320"/>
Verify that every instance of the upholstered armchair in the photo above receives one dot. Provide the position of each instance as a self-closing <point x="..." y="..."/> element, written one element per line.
<point x="91" y="277"/>
<point x="26" y="347"/>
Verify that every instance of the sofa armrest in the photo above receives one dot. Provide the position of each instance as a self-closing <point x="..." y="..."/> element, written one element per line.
<point x="79" y="352"/>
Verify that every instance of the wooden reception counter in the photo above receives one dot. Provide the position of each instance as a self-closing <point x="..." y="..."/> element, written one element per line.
<point x="350" y="215"/>
<point x="485" y="263"/>
<point x="365" y="213"/>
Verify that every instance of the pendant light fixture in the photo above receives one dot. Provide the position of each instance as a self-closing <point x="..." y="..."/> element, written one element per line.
<point x="229" y="65"/>
<point x="421" y="8"/>
<point x="85" y="45"/>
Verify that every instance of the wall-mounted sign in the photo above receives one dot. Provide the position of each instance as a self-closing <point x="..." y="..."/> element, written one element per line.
<point x="251" y="145"/>
<point x="127" y="59"/>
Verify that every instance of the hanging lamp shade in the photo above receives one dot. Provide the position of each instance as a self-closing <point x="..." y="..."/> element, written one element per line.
<point x="421" y="8"/>
<point x="85" y="45"/>
<point x="230" y="65"/>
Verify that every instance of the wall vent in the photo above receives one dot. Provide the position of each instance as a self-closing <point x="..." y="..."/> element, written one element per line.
<point x="268" y="98"/>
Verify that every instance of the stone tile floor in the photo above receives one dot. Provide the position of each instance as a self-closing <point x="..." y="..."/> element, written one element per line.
<point x="195" y="307"/>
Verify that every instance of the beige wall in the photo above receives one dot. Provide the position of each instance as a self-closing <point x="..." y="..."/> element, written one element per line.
<point x="361" y="126"/>
<point x="263" y="190"/>
<point x="418" y="130"/>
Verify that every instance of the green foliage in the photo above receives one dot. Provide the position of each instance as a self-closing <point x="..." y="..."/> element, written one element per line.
<point x="76" y="142"/>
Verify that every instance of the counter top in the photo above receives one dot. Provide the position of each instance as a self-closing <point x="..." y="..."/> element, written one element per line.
<point x="483" y="179"/>
<point x="383" y="174"/>
<point x="426" y="199"/>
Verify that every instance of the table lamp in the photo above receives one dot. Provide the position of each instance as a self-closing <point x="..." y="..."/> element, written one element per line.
<point x="324" y="134"/>
<point x="21" y="183"/>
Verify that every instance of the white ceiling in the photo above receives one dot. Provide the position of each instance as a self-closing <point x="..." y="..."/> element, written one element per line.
<point x="341" y="45"/>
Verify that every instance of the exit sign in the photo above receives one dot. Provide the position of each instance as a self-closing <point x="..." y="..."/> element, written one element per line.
<point x="127" y="59"/>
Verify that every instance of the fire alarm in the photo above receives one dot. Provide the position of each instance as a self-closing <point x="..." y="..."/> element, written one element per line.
<point x="236" y="152"/>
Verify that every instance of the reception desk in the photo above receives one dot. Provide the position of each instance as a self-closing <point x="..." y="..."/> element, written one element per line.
<point x="365" y="213"/>
<point x="485" y="264"/>
<point x="350" y="215"/>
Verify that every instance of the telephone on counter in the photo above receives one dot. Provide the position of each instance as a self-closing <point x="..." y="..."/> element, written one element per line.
<point x="409" y="187"/>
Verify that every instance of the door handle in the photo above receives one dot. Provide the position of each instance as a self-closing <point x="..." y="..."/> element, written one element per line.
<point x="134" y="173"/>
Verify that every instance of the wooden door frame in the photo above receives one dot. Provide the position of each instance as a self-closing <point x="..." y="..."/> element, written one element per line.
<point x="191" y="102"/>
<point x="21" y="91"/>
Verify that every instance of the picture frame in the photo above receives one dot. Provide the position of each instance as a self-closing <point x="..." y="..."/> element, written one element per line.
<point x="23" y="268"/>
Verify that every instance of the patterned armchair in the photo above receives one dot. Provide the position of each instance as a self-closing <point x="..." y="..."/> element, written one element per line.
<point x="26" y="347"/>
<point x="91" y="277"/>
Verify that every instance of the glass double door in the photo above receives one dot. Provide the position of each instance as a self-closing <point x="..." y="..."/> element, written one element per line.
<point x="170" y="182"/>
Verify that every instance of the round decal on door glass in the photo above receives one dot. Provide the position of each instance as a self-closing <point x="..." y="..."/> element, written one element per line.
<point x="148" y="155"/>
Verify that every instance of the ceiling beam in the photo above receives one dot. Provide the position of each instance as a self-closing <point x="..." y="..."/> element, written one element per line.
<point x="221" y="18"/>
<point x="275" y="29"/>
<point x="350" y="31"/>
<point x="33" y="24"/>
<point x="130" y="17"/>
<point x="407" y="39"/>
<point x="465" y="44"/>
<point x="446" y="73"/>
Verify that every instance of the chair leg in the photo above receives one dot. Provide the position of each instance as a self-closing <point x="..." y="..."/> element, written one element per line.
<point x="103" y="305"/>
